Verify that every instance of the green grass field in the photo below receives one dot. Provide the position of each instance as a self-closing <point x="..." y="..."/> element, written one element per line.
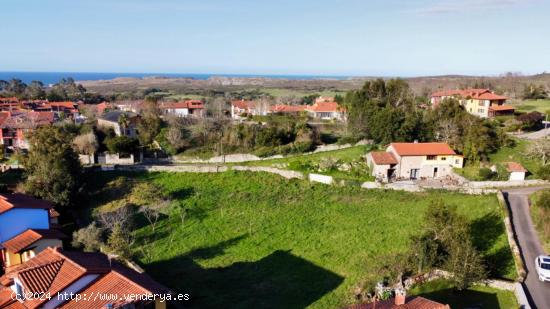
<point x="528" y="106"/>
<point x="503" y="155"/>
<point x="308" y="163"/>
<point x="474" y="297"/>
<point x="539" y="216"/>
<point x="257" y="240"/>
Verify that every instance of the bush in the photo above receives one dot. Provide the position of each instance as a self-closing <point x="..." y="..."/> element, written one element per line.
<point x="122" y="145"/>
<point x="486" y="173"/>
<point x="544" y="172"/>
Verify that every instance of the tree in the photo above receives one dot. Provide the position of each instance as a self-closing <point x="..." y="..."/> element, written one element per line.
<point x="150" y="123"/>
<point x="531" y="121"/>
<point x="35" y="90"/>
<point x="67" y="90"/>
<point x="465" y="263"/>
<point x="153" y="212"/>
<point x="86" y="143"/>
<point x="90" y="238"/>
<point x="52" y="166"/>
<point x="534" y="92"/>
<point x="123" y="145"/>
<point x="151" y="200"/>
<point x="539" y="149"/>
<point x="119" y="242"/>
<point x="16" y="87"/>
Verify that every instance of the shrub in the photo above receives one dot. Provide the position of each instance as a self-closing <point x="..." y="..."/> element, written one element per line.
<point x="486" y="173"/>
<point x="122" y="145"/>
<point x="544" y="172"/>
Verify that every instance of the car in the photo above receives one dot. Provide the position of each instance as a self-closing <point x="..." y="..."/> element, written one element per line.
<point x="543" y="267"/>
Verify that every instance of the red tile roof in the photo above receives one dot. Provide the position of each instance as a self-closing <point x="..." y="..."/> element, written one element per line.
<point x="422" y="149"/>
<point x="242" y="104"/>
<point x="288" y="108"/>
<point x="3" y="117"/>
<point x="18" y="200"/>
<point x="29" y="237"/>
<point x="383" y="158"/>
<point x="325" y="107"/>
<point x="53" y="270"/>
<point x="498" y="108"/>
<point x="9" y="100"/>
<point x="190" y="104"/>
<point x="411" y="303"/>
<point x="29" y="119"/>
<point x="515" y="167"/>
<point x="481" y="94"/>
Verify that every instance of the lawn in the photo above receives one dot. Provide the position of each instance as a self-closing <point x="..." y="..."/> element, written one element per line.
<point x="475" y="297"/>
<point x="528" y="106"/>
<point x="503" y="155"/>
<point x="540" y="219"/>
<point x="326" y="163"/>
<point x="258" y="240"/>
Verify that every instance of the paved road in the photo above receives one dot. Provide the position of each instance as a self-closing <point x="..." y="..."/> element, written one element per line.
<point x="530" y="246"/>
<point x="534" y="135"/>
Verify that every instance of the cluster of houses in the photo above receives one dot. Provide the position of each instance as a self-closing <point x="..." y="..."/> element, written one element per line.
<point x="324" y="108"/>
<point x="33" y="265"/>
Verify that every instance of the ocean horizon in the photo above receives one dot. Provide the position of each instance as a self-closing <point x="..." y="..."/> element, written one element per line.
<point x="54" y="77"/>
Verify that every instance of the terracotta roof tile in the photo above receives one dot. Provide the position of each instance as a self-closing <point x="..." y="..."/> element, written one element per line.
<point x="287" y="108"/>
<point x="482" y="94"/>
<point x="422" y="149"/>
<point x="29" y="237"/>
<point x="383" y="158"/>
<point x="324" y="107"/>
<point x="17" y="200"/>
<point x="501" y="108"/>
<point x="515" y="167"/>
<point x="242" y="104"/>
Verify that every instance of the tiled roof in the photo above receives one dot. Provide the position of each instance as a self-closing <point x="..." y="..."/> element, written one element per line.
<point x="482" y="94"/>
<point x="411" y="303"/>
<point x="422" y="149"/>
<point x="29" y="237"/>
<point x="383" y="158"/>
<point x="190" y="104"/>
<point x="287" y="108"/>
<point x="28" y="119"/>
<point x="324" y="107"/>
<point x="242" y="104"/>
<point x="515" y="167"/>
<point x="18" y="200"/>
<point x="53" y="270"/>
<point x="498" y="108"/>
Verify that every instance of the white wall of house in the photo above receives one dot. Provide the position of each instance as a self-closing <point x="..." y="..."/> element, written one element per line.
<point x="181" y="112"/>
<point x="108" y="158"/>
<point x="517" y="176"/>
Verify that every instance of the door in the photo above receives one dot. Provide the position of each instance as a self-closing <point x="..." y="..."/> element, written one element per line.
<point x="414" y="173"/>
<point x="435" y="172"/>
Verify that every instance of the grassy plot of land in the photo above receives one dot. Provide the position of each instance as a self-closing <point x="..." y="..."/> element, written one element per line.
<point x="257" y="240"/>
<point x="528" y="106"/>
<point x="347" y="163"/>
<point x="516" y="153"/>
<point x="541" y="217"/>
<point x="474" y="297"/>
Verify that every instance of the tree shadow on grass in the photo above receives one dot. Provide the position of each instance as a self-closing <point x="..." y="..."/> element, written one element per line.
<point x="464" y="299"/>
<point x="278" y="280"/>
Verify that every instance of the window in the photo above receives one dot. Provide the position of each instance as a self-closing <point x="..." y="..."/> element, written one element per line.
<point x="443" y="158"/>
<point x="481" y="110"/>
<point x="457" y="161"/>
<point x="430" y="157"/>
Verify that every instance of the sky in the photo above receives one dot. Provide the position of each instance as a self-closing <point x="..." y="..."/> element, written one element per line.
<point x="314" y="37"/>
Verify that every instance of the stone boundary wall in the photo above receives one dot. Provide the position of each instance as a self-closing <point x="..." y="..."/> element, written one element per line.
<point x="246" y="157"/>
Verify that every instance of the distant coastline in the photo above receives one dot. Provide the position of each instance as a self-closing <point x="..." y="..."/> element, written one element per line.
<point x="54" y="77"/>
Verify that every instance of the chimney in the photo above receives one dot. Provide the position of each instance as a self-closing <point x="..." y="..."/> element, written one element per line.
<point x="400" y="296"/>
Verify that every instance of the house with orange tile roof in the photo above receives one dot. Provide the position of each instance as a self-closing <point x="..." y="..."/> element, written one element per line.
<point x="402" y="302"/>
<point x="413" y="161"/>
<point x="242" y="108"/>
<point x="26" y="228"/>
<point x="516" y="170"/>
<point x="326" y="110"/>
<point x="62" y="273"/>
<point x="187" y="108"/>
<point x="480" y="102"/>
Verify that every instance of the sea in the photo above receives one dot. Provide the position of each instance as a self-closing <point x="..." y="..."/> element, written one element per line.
<point x="53" y="77"/>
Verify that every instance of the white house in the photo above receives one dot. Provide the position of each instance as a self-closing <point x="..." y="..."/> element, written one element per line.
<point x="517" y="171"/>
<point x="413" y="161"/>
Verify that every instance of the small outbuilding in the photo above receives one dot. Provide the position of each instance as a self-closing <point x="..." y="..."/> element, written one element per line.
<point x="516" y="170"/>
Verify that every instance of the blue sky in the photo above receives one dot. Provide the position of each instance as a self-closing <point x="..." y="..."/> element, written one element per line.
<point x="319" y="37"/>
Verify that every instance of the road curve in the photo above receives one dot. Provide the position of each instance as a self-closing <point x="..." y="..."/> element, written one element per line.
<point x="530" y="246"/>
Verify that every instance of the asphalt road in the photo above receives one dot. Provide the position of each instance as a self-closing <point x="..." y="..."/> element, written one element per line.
<point x="530" y="246"/>
<point x="535" y="135"/>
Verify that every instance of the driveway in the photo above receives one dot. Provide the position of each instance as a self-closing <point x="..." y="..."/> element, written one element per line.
<point x="534" y="135"/>
<point x="529" y="243"/>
